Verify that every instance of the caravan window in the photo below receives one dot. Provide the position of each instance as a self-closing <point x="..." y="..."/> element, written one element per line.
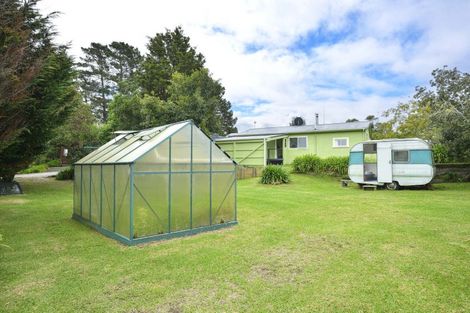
<point x="401" y="156"/>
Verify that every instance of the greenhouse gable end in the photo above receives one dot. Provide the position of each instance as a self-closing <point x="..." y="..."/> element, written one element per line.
<point x="156" y="184"/>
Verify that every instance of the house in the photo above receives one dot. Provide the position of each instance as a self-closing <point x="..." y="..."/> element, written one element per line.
<point x="281" y="145"/>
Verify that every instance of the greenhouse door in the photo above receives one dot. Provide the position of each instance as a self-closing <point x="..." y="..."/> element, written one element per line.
<point x="384" y="162"/>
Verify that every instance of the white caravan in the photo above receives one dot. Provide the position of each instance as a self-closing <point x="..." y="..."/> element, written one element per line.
<point x="391" y="162"/>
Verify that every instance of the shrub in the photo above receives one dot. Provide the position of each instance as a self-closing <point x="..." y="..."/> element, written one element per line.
<point x="53" y="163"/>
<point x="35" y="168"/>
<point x="65" y="174"/>
<point x="440" y="153"/>
<point x="308" y="163"/>
<point x="335" y="166"/>
<point x="274" y="175"/>
<point x="312" y="164"/>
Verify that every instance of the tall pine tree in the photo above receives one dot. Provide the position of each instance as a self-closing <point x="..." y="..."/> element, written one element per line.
<point x="169" y="52"/>
<point x="95" y="79"/>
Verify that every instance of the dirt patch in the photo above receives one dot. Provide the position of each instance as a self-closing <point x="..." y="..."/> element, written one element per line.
<point x="287" y="264"/>
<point x="199" y="297"/>
<point x="31" y="286"/>
<point x="13" y="201"/>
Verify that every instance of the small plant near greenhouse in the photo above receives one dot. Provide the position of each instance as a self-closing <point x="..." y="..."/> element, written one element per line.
<point x="274" y="175"/>
<point x="65" y="174"/>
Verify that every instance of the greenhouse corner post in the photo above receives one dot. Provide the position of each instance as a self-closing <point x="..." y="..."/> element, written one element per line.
<point x="89" y="204"/>
<point x="191" y="182"/>
<point x="114" y="197"/>
<point x="101" y="195"/>
<point x="169" y="185"/>
<point x="131" y="210"/>
<point x="236" y="181"/>
<point x="81" y="190"/>
<point x="210" y="183"/>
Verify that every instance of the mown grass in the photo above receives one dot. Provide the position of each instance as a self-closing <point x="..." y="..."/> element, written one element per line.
<point x="303" y="247"/>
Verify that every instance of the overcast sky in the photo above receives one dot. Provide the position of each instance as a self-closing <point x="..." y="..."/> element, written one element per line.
<point x="279" y="59"/>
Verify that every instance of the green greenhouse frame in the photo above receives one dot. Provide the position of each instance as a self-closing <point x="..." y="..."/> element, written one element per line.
<point x="156" y="184"/>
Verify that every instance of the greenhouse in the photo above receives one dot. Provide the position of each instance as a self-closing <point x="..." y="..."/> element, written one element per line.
<point x="156" y="184"/>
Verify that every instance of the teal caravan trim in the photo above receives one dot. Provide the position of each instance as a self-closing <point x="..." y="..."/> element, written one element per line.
<point x="421" y="157"/>
<point x="356" y="157"/>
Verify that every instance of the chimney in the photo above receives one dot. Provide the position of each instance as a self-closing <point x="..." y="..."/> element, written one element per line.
<point x="316" y="119"/>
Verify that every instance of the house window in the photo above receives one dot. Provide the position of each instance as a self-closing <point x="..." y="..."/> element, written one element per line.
<point x="400" y="156"/>
<point x="298" y="142"/>
<point x="341" y="142"/>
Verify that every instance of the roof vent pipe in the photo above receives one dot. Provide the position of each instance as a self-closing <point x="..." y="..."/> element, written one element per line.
<point x="316" y="119"/>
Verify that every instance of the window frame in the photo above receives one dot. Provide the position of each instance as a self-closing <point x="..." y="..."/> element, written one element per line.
<point x="297" y="137"/>
<point x="334" y="145"/>
<point x="401" y="162"/>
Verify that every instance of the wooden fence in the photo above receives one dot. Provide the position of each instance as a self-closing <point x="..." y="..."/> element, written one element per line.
<point x="248" y="172"/>
<point x="452" y="172"/>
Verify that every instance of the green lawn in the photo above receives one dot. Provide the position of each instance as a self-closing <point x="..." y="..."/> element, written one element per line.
<point x="303" y="247"/>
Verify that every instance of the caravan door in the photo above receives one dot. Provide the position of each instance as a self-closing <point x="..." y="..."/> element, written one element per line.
<point x="384" y="162"/>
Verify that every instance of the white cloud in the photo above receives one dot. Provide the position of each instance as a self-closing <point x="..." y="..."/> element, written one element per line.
<point x="367" y="55"/>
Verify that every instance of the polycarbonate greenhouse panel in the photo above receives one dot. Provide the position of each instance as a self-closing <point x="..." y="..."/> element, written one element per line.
<point x="107" y="197"/>
<point x="155" y="160"/>
<point x="223" y="197"/>
<point x="134" y="145"/>
<point x="99" y="150"/>
<point x="181" y="150"/>
<point x="180" y="196"/>
<point x="76" y="190"/>
<point x="95" y="193"/>
<point x="105" y="158"/>
<point x="150" y="205"/>
<point x="152" y="142"/>
<point x="201" y="200"/>
<point x="220" y="161"/>
<point x="122" y="223"/>
<point x="110" y="150"/>
<point x="201" y="150"/>
<point x="86" y="183"/>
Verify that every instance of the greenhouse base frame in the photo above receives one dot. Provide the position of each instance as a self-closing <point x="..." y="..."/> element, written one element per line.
<point x="153" y="238"/>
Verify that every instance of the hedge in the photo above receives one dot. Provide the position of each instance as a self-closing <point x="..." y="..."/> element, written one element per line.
<point x="312" y="164"/>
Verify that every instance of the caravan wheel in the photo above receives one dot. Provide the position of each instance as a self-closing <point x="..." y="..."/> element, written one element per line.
<point x="392" y="186"/>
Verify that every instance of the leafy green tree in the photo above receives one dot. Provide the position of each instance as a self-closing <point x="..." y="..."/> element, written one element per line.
<point x="449" y="103"/>
<point x="80" y="130"/>
<point x="439" y="113"/>
<point x="124" y="61"/>
<point x="197" y="96"/>
<point x="105" y="70"/>
<point x="42" y="92"/>
<point x="173" y="86"/>
<point x="169" y="52"/>
<point x="95" y="79"/>
<point x="201" y="98"/>
<point x="125" y="112"/>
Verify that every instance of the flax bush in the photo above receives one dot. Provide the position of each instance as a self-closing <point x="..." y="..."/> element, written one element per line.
<point x="274" y="175"/>
<point x="312" y="164"/>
